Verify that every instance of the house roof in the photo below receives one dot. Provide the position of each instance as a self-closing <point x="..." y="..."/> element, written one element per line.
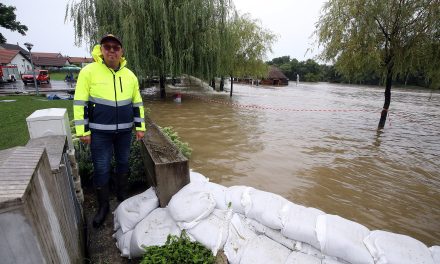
<point x="46" y="54"/>
<point x="276" y="73"/>
<point x="6" y="56"/>
<point x="80" y="60"/>
<point x="14" y="47"/>
<point x="49" y="61"/>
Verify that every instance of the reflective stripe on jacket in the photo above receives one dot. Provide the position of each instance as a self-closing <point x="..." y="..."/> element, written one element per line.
<point x="107" y="100"/>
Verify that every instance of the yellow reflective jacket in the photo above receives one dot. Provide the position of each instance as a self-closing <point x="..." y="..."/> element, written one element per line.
<point x="107" y="100"/>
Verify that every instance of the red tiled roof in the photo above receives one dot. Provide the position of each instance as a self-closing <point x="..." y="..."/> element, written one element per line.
<point x="46" y="54"/>
<point x="80" y="60"/>
<point x="6" y="56"/>
<point x="49" y="61"/>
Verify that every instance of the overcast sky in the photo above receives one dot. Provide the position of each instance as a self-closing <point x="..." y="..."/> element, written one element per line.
<point x="293" y="21"/>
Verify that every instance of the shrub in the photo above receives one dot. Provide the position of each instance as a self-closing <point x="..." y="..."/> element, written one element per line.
<point x="183" y="146"/>
<point x="178" y="250"/>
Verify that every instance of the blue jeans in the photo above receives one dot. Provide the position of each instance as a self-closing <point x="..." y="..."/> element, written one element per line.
<point x="103" y="146"/>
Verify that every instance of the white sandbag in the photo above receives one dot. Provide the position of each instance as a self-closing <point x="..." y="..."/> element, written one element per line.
<point x="435" y="252"/>
<point x="153" y="230"/>
<point x="134" y="209"/>
<point x="191" y="205"/>
<point x="213" y="230"/>
<point x="300" y="224"/>
<point x="342" y="238"/>
<point x="239" y="198"/>
<point x="391" y="248"/>
<point x="309" y="250"/>
<point x="267" y="208"/>
<point x="239" y="235"/>
<point x="273" y="234"/>
<point x="196" y="177"/>
<point x="301" y="258"/>
<point x="219" y="193"/>
<point x="123" y="242"/>
<point x="329" y="260"/>
<point x="263" y="250"/>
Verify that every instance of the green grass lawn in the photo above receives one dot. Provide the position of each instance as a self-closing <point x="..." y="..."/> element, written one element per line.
<point x="13" y="129"/>
<point x="59" y="76"/>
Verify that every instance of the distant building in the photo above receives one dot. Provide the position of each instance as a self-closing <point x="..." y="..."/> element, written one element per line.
<point x="275" y="77"/>
<point x="8" y="46"/>
<point x="15" y="58"/>
<point x="79" y="61"/>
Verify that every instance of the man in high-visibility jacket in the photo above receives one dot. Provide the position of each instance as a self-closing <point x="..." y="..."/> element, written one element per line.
<point x="107" y="105"/>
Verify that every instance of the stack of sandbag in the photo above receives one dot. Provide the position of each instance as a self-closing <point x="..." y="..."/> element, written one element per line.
<point x="128" y="214"/>
<point x="254" y="226"/>
<point x="200" y="209"/>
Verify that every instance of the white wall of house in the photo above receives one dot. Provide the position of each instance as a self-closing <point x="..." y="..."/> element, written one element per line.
<point x="23" y="64"/>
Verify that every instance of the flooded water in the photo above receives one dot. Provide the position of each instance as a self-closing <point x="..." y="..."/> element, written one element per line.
<point x="318" y="145"/>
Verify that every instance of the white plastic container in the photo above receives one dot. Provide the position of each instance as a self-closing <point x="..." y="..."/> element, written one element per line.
<point x="49" y="122"/>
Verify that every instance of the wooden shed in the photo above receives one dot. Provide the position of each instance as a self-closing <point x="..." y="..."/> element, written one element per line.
<point x="275" y="77"/>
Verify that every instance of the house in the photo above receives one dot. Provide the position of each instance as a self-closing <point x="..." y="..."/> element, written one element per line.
<point x="46" y="60"/>
<point x="275" y="77"/>
<point x="79" y="61"/>
<point x="16" y="58"/>
<point x="8" y="46"/>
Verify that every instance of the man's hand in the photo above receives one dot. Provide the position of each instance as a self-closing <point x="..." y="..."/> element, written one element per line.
<point x="86" y="139"/>
<point x="139" y="135"/>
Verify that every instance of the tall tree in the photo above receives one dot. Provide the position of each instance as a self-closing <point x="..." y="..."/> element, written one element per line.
<point x="247" y="44"/>
<point x="8" y="20"/>
<point x="389" y="37"/>
<point x="161" y="37"/>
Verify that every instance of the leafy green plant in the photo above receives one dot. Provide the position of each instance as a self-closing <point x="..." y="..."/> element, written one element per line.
<point x="183" y="146"/>
<point x="178" y="250"/>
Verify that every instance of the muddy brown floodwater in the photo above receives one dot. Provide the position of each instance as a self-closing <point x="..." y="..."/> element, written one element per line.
<point x="318" y="145"/>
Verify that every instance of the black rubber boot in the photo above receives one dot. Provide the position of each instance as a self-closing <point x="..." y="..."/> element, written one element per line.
<point x="121" y="186"/>
<point x="102" y="194"/>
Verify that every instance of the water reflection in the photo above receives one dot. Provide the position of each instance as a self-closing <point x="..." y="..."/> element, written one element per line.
<point x="333" y="160"/>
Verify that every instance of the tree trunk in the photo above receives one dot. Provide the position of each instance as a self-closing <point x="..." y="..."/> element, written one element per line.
<point x="386" y="105"/>
<point x="222" y="84"/>
<point x="162" y="87"/>
<point x="232" y="84"/>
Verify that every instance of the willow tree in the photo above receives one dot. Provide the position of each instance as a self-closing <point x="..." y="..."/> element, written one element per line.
<point x="247" y="44"/>
<point x="389" y="37"/>
<point x="161" y="37"/>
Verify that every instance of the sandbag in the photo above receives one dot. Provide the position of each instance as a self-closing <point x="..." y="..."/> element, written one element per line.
<point x="300" y="224"/>
<point x="213" y="230"/>
<point x="123" y="242"/>
<point x="196" y="177"/>
<point x="239" y="235"/>
<point x="134" y="209"/>
<point x="191" y="205"/>
<point x="153" y="230"/>
<point x="342" y="238"/>
<point x="219" y="193"/>
<point x="263" y="250"/>
<point x="435" y="252"/>
<point x="238" y="197"/>
<point x="301" y="258"/>
<point x="267" y="208"/>
<point x="273" y="234"/>
<point x="391" y="248"/>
